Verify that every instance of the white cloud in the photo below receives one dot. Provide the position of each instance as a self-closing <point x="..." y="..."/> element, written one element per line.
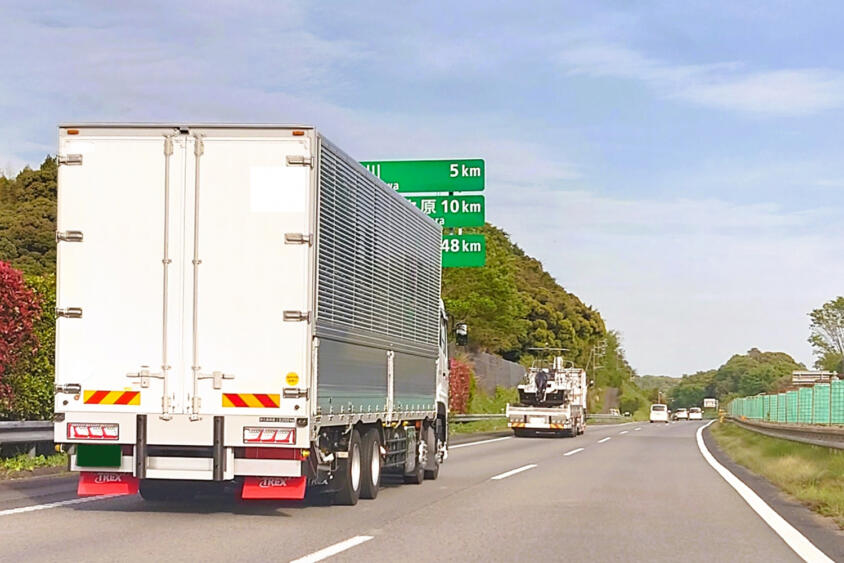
<point x="726" y="85"/>
<point x="689" y="283"/>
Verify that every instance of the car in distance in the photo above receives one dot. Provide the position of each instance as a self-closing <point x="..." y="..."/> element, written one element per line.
<point x="680" y="414"/>
<point x="695" y="413"/>
<point x="659" y="413"/>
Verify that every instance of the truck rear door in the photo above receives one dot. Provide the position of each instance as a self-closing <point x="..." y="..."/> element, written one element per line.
<point x="250" y="223"/>
<point x="184" y="272"/>
<point x="111" y="293"/>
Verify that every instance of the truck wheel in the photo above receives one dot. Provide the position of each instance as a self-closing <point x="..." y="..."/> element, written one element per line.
<point x="432" y="468"/>
<point x="371" y="478"/>
<point x="350" y="473"/>
<point x="417" y="475"/>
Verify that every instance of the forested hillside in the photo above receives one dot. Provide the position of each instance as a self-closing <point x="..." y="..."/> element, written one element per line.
<point x="28" y="219"/>
<point x="511" y="305"/>
<point x="743" y="374"/>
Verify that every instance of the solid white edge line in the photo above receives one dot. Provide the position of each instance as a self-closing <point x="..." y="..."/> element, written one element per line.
<point x="572" y="452"/>
<point x="514" y="471"/>
<point x="479" y="443"/>
<point x="24" y="509"/>
<point x="332" y="550"/>
<point x="604" y="440"/>
<point x="805" y="549"/>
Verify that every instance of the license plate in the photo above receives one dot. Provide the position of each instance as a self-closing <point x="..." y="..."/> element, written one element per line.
<point x="538" y="420"/>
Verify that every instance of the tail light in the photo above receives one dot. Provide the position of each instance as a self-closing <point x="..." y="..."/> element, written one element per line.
<point x="253" y="435"/>
<point x="86" y="431"/>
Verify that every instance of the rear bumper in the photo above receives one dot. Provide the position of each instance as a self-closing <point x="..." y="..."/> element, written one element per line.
<point x="208" y="449"/>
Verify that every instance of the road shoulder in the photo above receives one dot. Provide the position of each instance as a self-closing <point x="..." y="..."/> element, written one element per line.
<point x="817" y="529"/>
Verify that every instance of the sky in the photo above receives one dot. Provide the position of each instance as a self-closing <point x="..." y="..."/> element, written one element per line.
<point x="677" y="165"/>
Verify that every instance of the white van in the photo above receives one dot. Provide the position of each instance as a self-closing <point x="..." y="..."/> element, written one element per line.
<point x="659" y="413"/>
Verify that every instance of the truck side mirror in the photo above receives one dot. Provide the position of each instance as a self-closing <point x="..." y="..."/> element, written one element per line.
<point x="461" y="331"/>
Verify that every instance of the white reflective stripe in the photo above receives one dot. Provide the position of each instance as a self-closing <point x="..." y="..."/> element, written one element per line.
<point x="479" y="443"/>
<point x="332" y="550"/>
<point x="795" y="540"/>
<point x="23" y="509"/>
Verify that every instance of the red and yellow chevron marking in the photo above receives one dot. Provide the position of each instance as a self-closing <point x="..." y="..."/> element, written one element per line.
<point x="111" y="397"/>
<point x="252" y="400"/>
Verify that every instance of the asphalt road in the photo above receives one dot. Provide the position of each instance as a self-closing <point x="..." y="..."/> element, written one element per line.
<point x="634" y="492"/>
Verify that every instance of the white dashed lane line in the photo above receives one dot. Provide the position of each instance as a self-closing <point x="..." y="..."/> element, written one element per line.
<point x="624" y="432"/>
<point x="479" y="443"/>
<point x="332" y="550"/>
<point x="604" y="440"/>
<point x="513" y="471"/>
<point x="572" y="452"/>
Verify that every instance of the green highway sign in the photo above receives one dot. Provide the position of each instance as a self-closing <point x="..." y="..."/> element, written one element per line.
<point x="407" y="176"/>
<point x="464" y="251"/>
<point x="452" y="211"/>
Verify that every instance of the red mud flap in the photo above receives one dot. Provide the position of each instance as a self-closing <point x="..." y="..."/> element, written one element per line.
<point x="93" y="483"/>
<point x="276" y="488"/>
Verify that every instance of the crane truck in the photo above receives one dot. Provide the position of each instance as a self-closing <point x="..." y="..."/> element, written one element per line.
<point x="242" y="307"/>
<point x="552" y="400"/>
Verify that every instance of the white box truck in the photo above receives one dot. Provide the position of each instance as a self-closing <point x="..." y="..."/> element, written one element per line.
<point x="246" y="306"/>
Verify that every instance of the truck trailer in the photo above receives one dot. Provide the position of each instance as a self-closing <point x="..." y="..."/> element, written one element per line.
<point x="552" y="399"/>
<point x="242" y="307"/>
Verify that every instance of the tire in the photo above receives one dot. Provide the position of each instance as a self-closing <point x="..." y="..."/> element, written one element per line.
<point x="370" y="464"/>
<point x="417" y="475"/>
<point x="350" y="473"/>
<point x="432" y="468"/>
<point x="521" y="433"/>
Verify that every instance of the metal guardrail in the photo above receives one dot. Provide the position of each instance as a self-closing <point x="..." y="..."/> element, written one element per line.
<point x="613" y="417"/>
<point x="477" y="417"/>
<point x="827" y="436"/>
<point x="474" y="417"/>
<point x="26" y="432"/>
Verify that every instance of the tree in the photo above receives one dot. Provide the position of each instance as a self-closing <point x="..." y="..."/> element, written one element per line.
<point x="827" y="334"/>
<point x="28" y="219"/>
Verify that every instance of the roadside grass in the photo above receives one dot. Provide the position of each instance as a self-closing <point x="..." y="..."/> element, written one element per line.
<point x="812" y="474"/>
<point x="22" y="463"/>
<point x="481" y="402"/>
<point x="478" y="426"/>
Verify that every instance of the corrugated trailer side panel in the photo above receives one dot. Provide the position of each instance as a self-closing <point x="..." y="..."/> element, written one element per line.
<point x="378" y="281"/>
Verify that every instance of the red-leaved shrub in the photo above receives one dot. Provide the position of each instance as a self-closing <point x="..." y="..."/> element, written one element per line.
<point x="459" y="383"/>
<point x="19" y="309"/>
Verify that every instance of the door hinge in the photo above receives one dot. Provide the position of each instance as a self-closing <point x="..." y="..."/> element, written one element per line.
<point x="298" y="238"/>
<point x="292" y="393"/>
<point x="70" y="159"/>
<point x="70" y="312"/>
<point x="69" y="388"/>
<point x="69" y="236"/>
<point x="300" y="160"/>
<point x="297" y="316"/>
